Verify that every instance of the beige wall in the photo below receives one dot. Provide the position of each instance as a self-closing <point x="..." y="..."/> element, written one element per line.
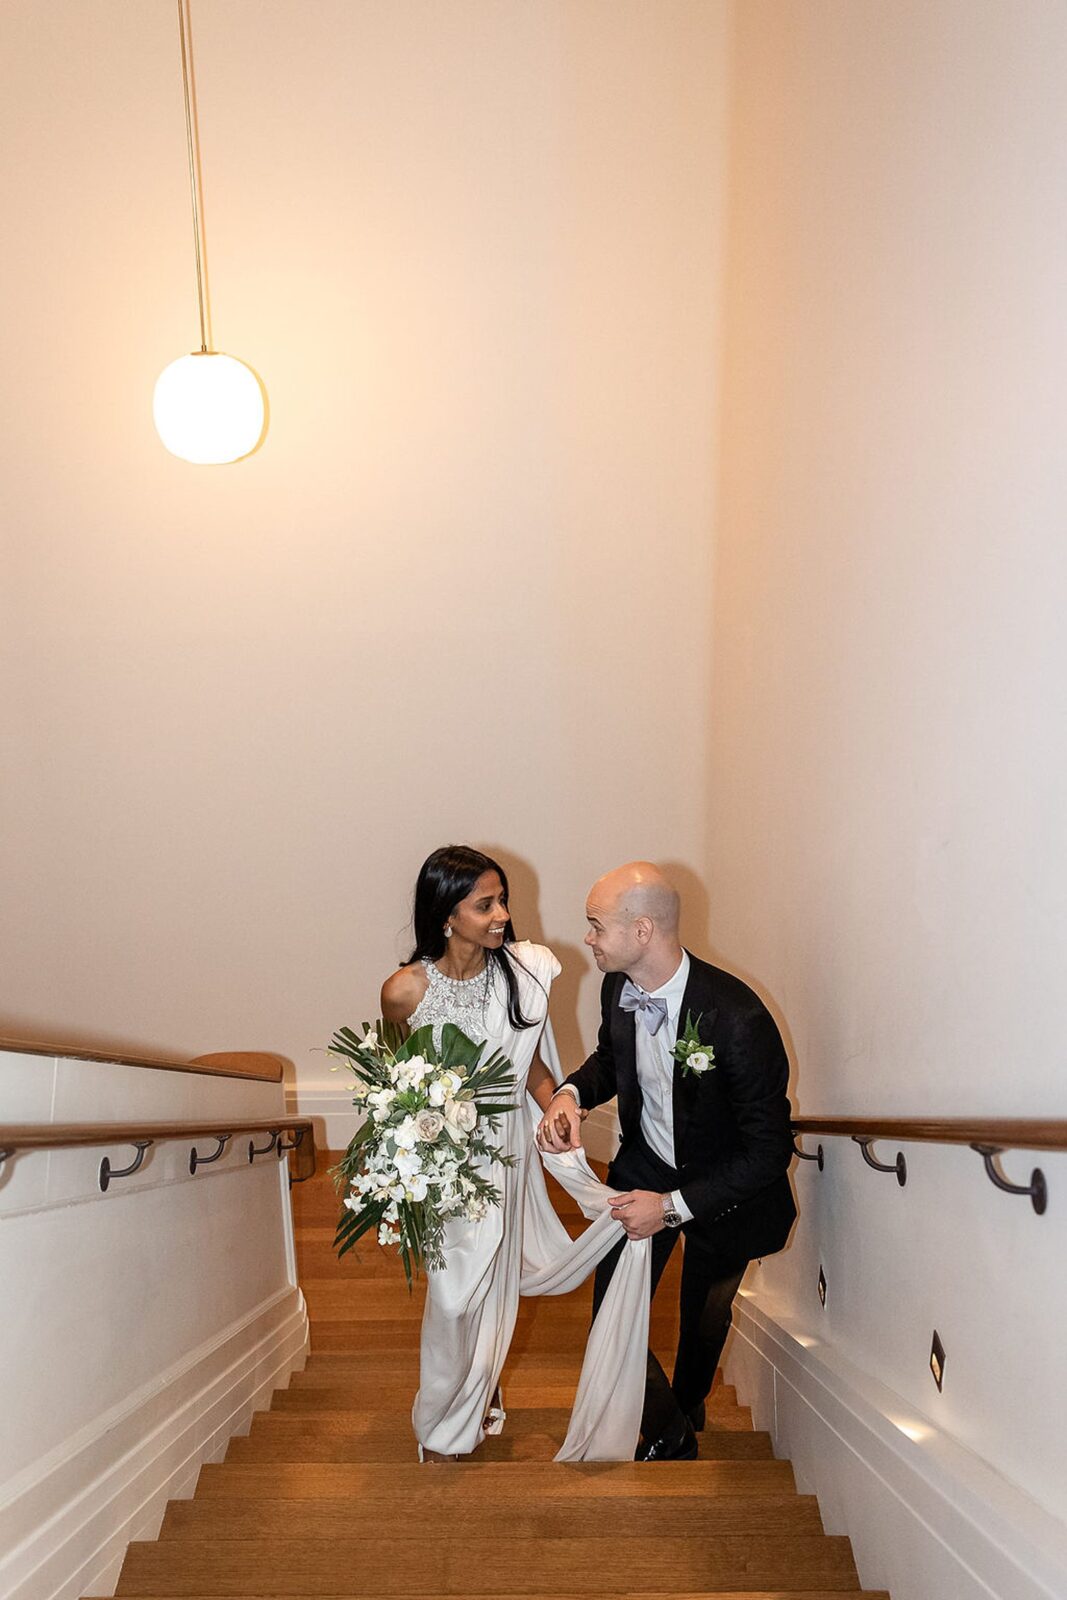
<point x="887" y="775"/>
<point x="461" y="592"/>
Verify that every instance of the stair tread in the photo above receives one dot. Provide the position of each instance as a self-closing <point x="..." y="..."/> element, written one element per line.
<point x="625" y="1516"/>
<point x="471" y="1565"/>
<point x="495" y="1480"/>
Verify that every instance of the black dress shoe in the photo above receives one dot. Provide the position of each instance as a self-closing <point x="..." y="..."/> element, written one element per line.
<point x="681" y="1445"/>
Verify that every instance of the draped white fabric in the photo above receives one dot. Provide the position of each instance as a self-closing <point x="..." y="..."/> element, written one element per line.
<point x="522" y="1246"/>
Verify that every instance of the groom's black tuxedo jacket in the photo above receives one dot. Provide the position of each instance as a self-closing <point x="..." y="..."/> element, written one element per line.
<point x="732" y="1136"/>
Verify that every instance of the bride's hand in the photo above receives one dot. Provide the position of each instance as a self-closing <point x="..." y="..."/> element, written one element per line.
<point x="560" y="1128"/>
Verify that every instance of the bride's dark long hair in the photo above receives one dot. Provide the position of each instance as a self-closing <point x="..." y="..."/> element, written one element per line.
<point x="445" y="878"/>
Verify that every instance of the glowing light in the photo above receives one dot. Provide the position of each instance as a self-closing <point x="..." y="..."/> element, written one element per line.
<point x="208" y="408"/>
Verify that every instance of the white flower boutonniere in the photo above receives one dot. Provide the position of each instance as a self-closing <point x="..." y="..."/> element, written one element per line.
<point x="691" y="1054"/>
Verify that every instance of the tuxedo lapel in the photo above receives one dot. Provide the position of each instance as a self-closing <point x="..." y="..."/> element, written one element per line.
<point x="696" y="1003"/>
<point x="625" y="1044"/>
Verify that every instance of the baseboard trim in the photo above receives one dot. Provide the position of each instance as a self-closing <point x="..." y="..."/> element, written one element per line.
<point x="65" y="1522"/>
<point x="926" y="1516"/>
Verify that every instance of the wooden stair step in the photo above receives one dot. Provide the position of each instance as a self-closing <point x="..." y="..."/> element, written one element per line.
<point x="500" y="1483"/>
<point x="520" y="1394"/>
<point x="616" y="1594"/>
<point x="624" y="1517"/>
<point x="379" y="1442"/>
<point x="551" y="1338"/>
<point x="468" y="1565"/>
<point x="328" y="1367"/>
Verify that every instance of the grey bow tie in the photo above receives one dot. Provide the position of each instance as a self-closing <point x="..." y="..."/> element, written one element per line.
<point x="653" y="1012"/>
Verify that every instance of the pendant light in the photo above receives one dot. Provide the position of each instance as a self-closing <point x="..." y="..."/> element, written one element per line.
<point x="207" y="406"/>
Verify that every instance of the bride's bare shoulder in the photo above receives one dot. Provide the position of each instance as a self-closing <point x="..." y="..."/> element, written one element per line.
<point x="402" y="992"/>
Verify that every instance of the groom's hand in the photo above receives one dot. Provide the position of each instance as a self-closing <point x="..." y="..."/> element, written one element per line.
<point x="640" y="1212"/>
<point x="560" y="1128"/>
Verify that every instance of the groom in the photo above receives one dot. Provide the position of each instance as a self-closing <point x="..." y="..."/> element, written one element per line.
<point x="704" y="1151"/>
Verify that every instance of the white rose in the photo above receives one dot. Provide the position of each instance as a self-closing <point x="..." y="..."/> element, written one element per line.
<point x="698" y="1061"/>
<point x="465" y="1115"/>
<point x="428" y="1125"/>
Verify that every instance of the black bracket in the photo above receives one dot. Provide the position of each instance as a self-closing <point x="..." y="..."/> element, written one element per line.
<point x="899" y="1166"/>
<point x="205" y="1161"/>
<point x="255" y="1150"/>
<point x="107" y="1171"/>
<point x="1037" y="1188"/>
<point x="298" y="1137"/>
<point x="804" y="1156"/>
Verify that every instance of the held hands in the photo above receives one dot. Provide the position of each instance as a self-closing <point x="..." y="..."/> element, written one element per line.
<point x="560" y="1128"/>
<point x="640" y="1212"/>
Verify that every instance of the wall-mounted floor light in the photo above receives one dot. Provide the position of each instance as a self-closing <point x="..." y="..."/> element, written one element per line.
<point x="208" y="407"/>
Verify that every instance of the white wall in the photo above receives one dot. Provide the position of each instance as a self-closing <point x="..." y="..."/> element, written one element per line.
<point x="142" y="1326"/>
<point x="887" y="763"/>
<point x="472" y="250"/>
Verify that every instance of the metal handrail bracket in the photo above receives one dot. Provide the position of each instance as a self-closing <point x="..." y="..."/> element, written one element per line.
<point x="1037" y="1188"/>
<point x="107" y="1171"/>
<point x="899" y="1166"/>
<point x="196" y="1160"/>
<point x="806" y="1156"/>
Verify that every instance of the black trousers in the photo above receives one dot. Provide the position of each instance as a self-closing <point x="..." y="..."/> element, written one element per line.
<point x="709" y="1283"/>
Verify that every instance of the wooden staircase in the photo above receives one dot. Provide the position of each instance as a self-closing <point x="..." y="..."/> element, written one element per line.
<point x="325" y="1496"/>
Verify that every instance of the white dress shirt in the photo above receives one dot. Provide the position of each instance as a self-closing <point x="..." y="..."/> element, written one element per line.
<point x="655" y="1073"/>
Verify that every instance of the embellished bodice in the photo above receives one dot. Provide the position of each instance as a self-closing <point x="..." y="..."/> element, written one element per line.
<point x="462" y="1001"/>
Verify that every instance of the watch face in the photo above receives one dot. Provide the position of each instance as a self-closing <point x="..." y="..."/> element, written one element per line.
<point x="672" y="1218"/>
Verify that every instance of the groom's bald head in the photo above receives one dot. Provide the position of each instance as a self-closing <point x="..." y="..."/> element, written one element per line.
<point x="632" y="913"/>
<point x="639" y="889"/>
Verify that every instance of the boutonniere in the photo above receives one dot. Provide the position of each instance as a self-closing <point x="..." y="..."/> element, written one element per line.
<point x="690" y="1053"/>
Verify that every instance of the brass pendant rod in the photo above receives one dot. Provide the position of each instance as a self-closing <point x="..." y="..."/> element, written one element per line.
<point x="193" y="178"/>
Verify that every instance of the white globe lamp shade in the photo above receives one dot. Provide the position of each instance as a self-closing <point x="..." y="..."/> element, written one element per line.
<point x="208" y="408"/>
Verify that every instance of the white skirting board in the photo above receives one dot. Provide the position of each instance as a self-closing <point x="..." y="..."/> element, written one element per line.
<point x="928" y="1519"/>
<point x="65" y="1523"/>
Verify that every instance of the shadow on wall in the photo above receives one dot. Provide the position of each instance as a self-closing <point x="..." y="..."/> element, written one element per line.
<point x="526" y="915"/>
<point x="696" y="929"/>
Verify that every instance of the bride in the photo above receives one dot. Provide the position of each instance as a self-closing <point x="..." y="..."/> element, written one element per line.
<point x="468" y="969"/>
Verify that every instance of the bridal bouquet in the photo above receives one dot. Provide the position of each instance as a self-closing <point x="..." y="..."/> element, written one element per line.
<point x="420" y="1156"/>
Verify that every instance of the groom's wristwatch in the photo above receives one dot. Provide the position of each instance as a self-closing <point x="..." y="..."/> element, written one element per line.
<point x="672" y="1218"/>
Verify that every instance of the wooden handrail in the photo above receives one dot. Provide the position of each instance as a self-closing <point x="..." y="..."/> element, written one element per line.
<point x="259" y="1065"/>
<point x="21" y="1136"/>
<point x="1006" y="1133"/>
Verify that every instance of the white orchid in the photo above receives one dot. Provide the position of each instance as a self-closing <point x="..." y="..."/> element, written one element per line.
<point x="407" y="1163"/>
<point x="404" y="1134"/>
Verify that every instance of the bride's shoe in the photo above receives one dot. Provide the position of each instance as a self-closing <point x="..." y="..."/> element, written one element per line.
<point x="496" y="1416"/>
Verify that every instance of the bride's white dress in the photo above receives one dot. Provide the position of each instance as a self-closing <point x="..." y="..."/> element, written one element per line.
<point x="521" y="1247"/>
